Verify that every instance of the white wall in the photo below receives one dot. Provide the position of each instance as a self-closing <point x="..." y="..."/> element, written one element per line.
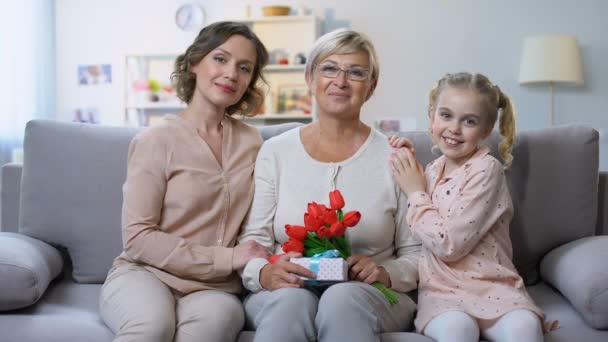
<point x="417" y="42"/>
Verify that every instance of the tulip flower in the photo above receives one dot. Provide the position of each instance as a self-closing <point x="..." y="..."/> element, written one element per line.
<point x="315" y="209"/>
<point x="311" y="222"/>
<point x="337" y="229"/>
<point x="336" y="201"/>
<point x="329" y="217"/>
<point x="296" y="232"/>
<point x="351" y="218"/>
<point x="323" y="232"/>
<point x="293" y="245"/>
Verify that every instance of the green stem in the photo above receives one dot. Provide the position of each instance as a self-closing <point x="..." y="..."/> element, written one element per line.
<point x="389" y="294"/>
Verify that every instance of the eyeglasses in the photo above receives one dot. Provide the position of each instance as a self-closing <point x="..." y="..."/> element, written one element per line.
<point x="330" y="70"/>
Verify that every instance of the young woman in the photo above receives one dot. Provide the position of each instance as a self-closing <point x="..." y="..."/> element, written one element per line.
<point x="189" y="185"/>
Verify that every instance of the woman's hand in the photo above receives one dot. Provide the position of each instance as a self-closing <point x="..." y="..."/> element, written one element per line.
<point x="408" y="171"/>
<point x="401" y="142"/>
<point x="246" y="251"/>
<point x="283" y="273"/>
<point x="363" y="268"/>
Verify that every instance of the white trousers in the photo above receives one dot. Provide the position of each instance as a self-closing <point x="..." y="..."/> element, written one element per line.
<point x="515" y="326"/>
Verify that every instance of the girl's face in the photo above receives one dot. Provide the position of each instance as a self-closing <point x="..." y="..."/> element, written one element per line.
<point x="341" y="84"/>
<point x="223" y="75"/>
<point x="459" y="124"/>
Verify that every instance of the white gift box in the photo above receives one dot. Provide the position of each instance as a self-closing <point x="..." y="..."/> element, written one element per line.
<point x="329" y="269"/>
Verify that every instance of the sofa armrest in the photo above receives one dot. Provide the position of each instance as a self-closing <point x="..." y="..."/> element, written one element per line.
<point x="579" y="271"/>
<point x="602" y="204"/>
<point x="10" y="189"/>
<point x="27" y="266"/>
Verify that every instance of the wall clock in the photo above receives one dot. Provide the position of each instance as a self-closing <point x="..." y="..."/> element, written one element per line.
<point x="190" y="17"/>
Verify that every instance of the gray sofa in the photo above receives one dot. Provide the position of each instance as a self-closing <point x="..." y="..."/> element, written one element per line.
<point x="60" y="227"/>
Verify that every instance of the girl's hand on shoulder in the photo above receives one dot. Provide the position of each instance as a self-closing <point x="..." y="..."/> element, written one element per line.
<point x="364" y="269"/>
<point x="401" y="142"/>
<point x="283" y="273"/>
<point x="408" y="171"/>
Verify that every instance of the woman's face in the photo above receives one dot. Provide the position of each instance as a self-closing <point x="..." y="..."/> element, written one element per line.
<point x="223" y="75"/>
<point x="341" y="84"/>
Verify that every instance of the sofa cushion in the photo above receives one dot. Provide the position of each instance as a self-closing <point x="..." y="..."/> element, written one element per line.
<point x="27" y="266"/>
<point x="9" y="197"/>
<point x="579" y="271"/>
<point x="71" y="191"/>
<point x="554" y="187"/>
<point x="67" y="312"/>
<point x="572" y="325"/>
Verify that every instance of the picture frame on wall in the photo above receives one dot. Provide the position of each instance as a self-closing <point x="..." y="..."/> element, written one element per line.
<point x="395" y="124"/>
<point x="94" y="74"/>
<point x="293" y="99"/>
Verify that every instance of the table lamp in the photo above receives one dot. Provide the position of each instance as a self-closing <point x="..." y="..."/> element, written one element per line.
<point x="550" y="59"/>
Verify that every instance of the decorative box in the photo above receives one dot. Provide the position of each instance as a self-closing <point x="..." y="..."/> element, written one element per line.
<point x="328" y="270"/>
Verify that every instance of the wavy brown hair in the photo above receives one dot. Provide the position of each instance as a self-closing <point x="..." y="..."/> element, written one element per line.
<point x="210" y="37"/>
<point x="495" y="101"/>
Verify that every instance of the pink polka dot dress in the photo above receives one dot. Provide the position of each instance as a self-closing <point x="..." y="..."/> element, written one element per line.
<point x="463" y="222"/>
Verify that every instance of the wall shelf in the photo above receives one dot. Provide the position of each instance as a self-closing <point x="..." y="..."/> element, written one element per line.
<point x="287" y="38"/>
<point x="280" y="19"/>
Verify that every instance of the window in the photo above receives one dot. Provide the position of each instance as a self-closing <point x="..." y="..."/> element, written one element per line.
<point x="27" y="66"/>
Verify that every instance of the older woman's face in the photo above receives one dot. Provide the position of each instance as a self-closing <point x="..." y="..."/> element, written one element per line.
<point x="346" y="92"/>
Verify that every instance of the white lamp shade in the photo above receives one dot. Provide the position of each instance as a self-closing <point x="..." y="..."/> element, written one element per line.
<point x="550" y="58"/>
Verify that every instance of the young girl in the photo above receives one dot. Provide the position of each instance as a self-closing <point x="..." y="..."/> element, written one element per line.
<point x="461" y="208"/>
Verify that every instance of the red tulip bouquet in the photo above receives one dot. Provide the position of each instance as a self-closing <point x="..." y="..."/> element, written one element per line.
<point x="323" y="235"/>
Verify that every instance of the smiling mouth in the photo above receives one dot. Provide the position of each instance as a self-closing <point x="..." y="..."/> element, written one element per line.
<point x="226" y="89"/>
<point x="451" y="142"/>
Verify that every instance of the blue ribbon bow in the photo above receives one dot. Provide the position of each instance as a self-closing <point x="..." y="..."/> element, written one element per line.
<point x="316" y="259"/>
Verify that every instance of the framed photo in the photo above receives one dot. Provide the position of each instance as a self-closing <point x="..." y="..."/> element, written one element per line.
<point x="94" y="74"/>
<point x="396" y="124"/>
<point x="293" y="99"/>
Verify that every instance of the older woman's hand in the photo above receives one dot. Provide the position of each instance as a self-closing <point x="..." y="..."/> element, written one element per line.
<point x="246" y="251"/>
<point x="363" y="268"/>
<point x="283" y="273"/>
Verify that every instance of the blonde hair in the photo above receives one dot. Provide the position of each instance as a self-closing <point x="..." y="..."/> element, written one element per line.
<point x="495" y="101"/>
<point x="343" y="41"/>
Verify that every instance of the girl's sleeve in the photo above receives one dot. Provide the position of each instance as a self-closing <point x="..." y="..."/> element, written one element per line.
<point x="481" y="202"/>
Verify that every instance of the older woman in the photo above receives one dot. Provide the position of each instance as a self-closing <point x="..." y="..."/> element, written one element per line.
<point x="303" y="165"/>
